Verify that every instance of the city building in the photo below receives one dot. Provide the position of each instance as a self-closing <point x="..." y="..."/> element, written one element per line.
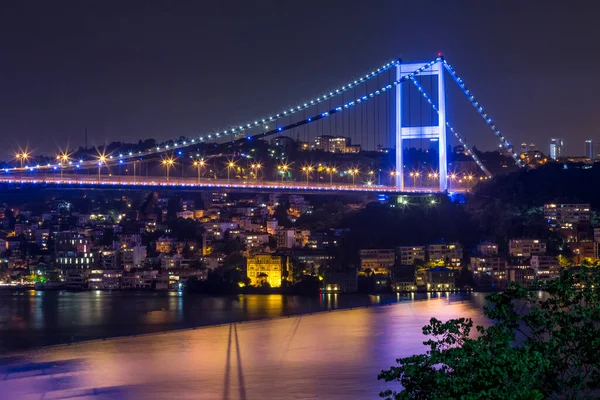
<point x="563" y="216"/>
<point x="133" y="257"/>
<point x="487" y="249"/>
<point x="73" y="251"/>
<point x="589" y="149"/>
<point x="404" y="278"/>
<point x="341" y="281"/>
<point x="525" y="147"/>
<point x="408" y="255"/>
<point x="450" y="253"/>
<point x="380" y="261"/>
<point x="440" y="279"/>
<point x="556" y="148"/>
<point x="165" y="244"/>
<point x="104" y="279"/>
<point x="286" y="238"/>
<point x="525" y="247"/>
<point x="265" y="269"/>
<point x="524" y="276"/>
<point x="335" y="144"/>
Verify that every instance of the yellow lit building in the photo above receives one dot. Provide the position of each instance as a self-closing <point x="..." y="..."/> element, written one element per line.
<point x="265" y="268"/>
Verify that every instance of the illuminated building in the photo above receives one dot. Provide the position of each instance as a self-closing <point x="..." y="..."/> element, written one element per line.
<point x="589" y="149"/>
<point x="265" y="268"/>
<point x="440" y="279"/>
<point x="165" y="244"/>
<point x="545" y="267"/>
<point x="526" y="247"/>
<point x="556" y="148"/>
<point x="525" y="148"/>
<point x="566" y="215"/>
<point x="286" y="238"/>
<point x="380" y="261"/>
<point x="133" y="257"/>
<point x="524" y="276"/>
<point x="104" y="279"/>
<point x="452" y="253"/>
<point x="335" y="144"/>
<point x="73" y="251"/>
<point x="487" y="249"/>
<point x="409" y="254"/>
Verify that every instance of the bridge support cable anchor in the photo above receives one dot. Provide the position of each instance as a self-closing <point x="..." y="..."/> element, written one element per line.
<point x="461" y="140"/>
<point x="482" y="113"/>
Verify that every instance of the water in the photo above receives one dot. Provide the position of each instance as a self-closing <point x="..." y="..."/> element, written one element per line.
<point x="331" y="355"/>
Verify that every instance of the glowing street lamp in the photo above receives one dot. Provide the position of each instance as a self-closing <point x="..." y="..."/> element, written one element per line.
<point x="307" y="169"/>
<point x="255" y="167"/>
<point x="62" y="158"/>
<point x="230" y="165"/>
<point x="331" y="171"/>
<point x="22" y="156"/>
<point x="283" y="169"/>
<point x="414" y="175"/>
<point x="101" y="160"/>
<point x="200" y="164"/>
<point x="168" y="163"/>
<point x="392" y="177"/>
<point x="353" y="172"/>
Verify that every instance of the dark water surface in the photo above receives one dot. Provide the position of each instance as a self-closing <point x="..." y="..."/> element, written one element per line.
<point x="330" y="355"/>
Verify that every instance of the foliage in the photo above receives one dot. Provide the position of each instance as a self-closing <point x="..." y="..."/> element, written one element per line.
<point x="538" y="347"/>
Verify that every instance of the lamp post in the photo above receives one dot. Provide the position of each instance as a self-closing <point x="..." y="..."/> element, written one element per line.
<point x="101" y="160"/>
<point x="230" y="165"/>
<point x="283" y="169"/>
<point x="200" y="164"/>
<point x="255" y="167"/>
<point x="392" y="176"/>
<point x="168" y="163"/>
<point x="353" y="172"/>
<point x="331" y="171"/>
<point x="307" y="170"/>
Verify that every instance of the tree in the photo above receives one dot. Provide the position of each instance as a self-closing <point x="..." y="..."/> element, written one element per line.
<point x="537" y="348"/>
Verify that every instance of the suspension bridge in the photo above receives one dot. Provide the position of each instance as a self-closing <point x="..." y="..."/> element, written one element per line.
<point x="357" y="137"/>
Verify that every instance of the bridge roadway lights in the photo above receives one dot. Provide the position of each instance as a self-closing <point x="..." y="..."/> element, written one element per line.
<point x="220" y="185"/>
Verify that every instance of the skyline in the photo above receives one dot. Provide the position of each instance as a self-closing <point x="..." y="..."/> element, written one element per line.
<point x="109" y="68"/>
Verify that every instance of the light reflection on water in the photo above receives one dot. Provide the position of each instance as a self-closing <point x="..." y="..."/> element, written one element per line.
<point x="332" y="355"/>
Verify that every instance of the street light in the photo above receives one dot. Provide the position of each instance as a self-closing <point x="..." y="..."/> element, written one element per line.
<point x="230" y="165"/>
<point x="200" y="164"/>
<point x="255" y="167"/>
<point x="414" y="175"/>
<point x="22" y="156"/>
<point x="168" y="163"/>
<point x="307" y="169"/>
<point x="353" y="172"/>
<point x="101" y="160"/>
<point x="331" y="171"/>
<point x="392" y="177"/>
<point x="283" y="169"/>
<point x="62" y="157"/>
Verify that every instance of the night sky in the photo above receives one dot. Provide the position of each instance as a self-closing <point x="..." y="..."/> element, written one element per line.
<point x="130" y="70"/>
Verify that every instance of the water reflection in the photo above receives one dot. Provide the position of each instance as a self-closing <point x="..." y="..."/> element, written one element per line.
<point x="294" y="358"/>
<point x="31" y="319"/>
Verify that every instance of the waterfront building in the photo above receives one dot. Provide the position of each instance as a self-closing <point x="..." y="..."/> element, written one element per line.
<point x="450" y="253"/>
<point x="265" y="268"/>
<point x="440" y="279"/>
<point x="380" y="261"/>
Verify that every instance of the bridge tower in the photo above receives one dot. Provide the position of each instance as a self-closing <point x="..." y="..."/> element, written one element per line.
<point x="421" y="132"/>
